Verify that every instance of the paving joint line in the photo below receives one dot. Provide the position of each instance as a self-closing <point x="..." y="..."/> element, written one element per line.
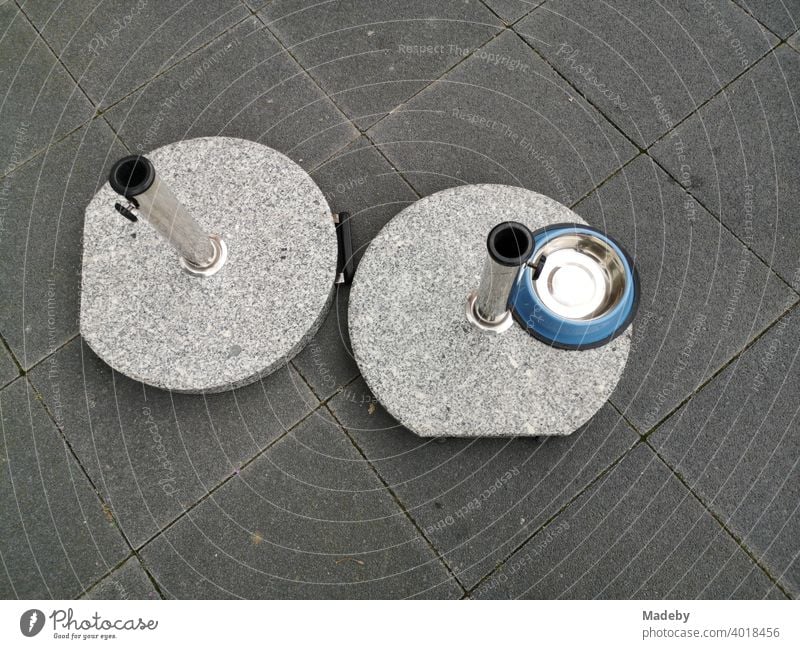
<point x="603" y="473"/>
<point x="399" y="504"/>
<point x="332" y="97"/>
<point x="624" y="417"/>
<point x="139" y="562"/>
<point x="97" y="581"/>
<point x="12" y="356"/>
<point x="361" y="133"/>
<point x="107" y="510"/>
<point x="324" y="400"/>
<point x="100" y="112"/>
<point x="53" y="142"/>
<point x="97" y="111"/>
<point x="716" y="373"/>
<point x="605" y="180"/>
<point x="162" y="71"/>
<point x="56" y="56"/>
<point x="663" y="137"/>
<point x="210" y="492"/>
<point x="502" y="20"/>
<point x="51" y="353"/>
<point x="753" y="17"/>
<point x="739" y="542"/>
<point x="399" y="107"/>
<point x="722" y="224"/>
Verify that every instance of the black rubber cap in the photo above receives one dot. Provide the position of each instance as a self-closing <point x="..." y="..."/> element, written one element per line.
<point x="510" y="243"/>
<point x="131" y="175"/>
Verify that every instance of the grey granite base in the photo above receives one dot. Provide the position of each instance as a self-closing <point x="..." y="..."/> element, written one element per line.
<point x="147" y="318"/>
<point x="434" y="372"/>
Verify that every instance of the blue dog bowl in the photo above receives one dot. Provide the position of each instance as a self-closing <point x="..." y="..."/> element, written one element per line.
<point x="579" y="289"/>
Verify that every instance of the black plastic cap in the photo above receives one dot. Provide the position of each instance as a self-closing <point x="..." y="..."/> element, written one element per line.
<point x="510" y="243"/>
<point x="131" y="175"/>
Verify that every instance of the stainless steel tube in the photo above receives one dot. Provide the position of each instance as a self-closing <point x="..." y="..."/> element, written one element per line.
<point x="509" y="246"/>
<point x="135" y="178"/>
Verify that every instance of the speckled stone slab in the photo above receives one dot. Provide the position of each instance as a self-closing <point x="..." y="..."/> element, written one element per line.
<point x="434" y="372"/>
<point x="149" y="319"/>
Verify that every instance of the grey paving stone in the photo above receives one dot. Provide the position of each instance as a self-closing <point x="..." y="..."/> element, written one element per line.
<point x="502" y="116"/>
<point x="308" y="519"/>
<point x="40" y="250"/>
<point x="57" y="537"/>
<point x="781" y="16"/>
<point x="359" y="180"/>
<point x="152" y="454"/>
<point x="478" y="500"/>
<point x="129" y="581"/>
<point x="742" y="158"/>
<point x="327" y="362"/>
<point x="115" y="46"/>
<point x="372" y="56"/>
<point x="646" y="66"/>
<point x="255" y="5"/>
<point x="511" y="11"/>
<point x="8" y="368"/>
<point x="637" y="534"/>
<point x="704" y="295"/>
<point x="243" y="84"/>
<point x="42" y="102"/>
<point x="737" y="443"/>
<point x="794" y="41"/>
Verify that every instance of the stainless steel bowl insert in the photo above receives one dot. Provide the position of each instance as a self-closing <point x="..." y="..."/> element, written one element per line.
<point x="578" y="276"/>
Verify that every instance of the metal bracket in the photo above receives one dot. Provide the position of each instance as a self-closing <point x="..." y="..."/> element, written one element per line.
<point x="344" y="239"/>
<point x="127" y="211"/>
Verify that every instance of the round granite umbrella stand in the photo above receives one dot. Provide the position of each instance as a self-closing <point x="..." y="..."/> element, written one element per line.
<point x="426" y="359"/>
<point x="227" y="273"/>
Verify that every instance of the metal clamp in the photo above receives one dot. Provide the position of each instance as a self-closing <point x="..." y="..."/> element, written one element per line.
<point x="344" y="240"/>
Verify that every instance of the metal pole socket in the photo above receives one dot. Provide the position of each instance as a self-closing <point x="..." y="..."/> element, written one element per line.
<point x="135" y="178"/>
<point x="509" y="246"/>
